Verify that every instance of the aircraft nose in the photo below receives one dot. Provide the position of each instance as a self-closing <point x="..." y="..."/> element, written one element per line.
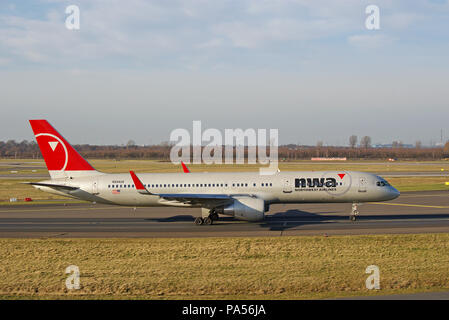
<point x="393" y="193"/>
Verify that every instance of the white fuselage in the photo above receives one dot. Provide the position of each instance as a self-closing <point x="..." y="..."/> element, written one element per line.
<point x="282" y="187"/>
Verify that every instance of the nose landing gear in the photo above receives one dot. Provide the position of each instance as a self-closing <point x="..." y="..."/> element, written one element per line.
<point x="354" y="212"/>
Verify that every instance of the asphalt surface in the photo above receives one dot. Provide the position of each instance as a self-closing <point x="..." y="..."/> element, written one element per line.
<point x="413" y="212"/>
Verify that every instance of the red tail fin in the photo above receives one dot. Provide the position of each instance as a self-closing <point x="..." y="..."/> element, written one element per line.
<point x="58" y="154"/>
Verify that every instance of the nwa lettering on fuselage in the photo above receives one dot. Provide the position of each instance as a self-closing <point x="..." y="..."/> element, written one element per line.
<point x="315" y="183"/>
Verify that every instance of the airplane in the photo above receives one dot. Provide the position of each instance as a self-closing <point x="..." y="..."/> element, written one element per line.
<point x="243" y="195"/>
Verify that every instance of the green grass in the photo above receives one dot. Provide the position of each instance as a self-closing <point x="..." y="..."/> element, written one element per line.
<point x="405" y="184"/>
<point x="13" y="188"/>
<point x="300" y="165"/>
<point x="224" y="268"/>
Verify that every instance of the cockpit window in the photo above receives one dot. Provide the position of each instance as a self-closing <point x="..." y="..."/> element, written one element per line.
<point x="382" y="183"/>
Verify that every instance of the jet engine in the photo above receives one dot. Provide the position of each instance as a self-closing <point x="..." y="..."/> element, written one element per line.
<point x="244" y="208"/>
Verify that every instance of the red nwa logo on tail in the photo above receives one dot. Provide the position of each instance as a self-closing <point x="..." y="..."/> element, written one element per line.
<point x="58" y="154"/>
<point x="55" y="157"/>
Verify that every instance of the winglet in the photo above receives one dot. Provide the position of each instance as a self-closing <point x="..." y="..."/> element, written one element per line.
<point x="184" y="167"/>
<point x="138" y="184"/>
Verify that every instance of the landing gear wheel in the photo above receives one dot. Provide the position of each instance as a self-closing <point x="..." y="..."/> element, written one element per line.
<point x="199" y="221"/>
<point x="208" y="221"/>
<point x="354" y="212"/>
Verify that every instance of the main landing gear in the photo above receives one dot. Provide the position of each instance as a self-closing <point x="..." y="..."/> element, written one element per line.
<point x="354" y="212"/>
<point x="208" y="217"/>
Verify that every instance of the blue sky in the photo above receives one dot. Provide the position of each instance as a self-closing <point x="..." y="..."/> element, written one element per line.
<point x="139" y="69"/>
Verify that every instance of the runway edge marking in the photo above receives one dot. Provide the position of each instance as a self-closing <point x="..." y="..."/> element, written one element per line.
<point x="410" y="205"/>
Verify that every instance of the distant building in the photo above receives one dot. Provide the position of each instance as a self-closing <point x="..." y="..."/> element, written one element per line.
<point x="390" y="145"/>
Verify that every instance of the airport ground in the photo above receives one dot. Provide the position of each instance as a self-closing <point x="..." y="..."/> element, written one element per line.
<point x="299" y="251"/>
<point x="224" y="267"/>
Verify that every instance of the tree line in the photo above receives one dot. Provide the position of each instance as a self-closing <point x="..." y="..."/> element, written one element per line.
<point x="30" y="150"/>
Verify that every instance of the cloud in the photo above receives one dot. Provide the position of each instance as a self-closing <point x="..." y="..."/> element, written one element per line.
<point x="368" y="41"/>
<point x="4" y="61"/>
<point x="146" y="31"/>
<point x="165" y="34"/>
<point x="109" y="30"/>
<point x="213" y="43"/>
<point x="257" y="34"/>
<point x="401" y="20"/>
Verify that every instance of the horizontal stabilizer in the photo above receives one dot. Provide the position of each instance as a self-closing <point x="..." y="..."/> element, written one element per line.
<point x="54" y="186"/>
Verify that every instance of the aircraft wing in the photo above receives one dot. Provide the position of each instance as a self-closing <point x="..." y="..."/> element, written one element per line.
<point x="207" y="200"/>
<point x="58" y="187"/>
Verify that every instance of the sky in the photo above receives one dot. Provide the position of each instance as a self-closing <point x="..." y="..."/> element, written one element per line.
<point x="141" y="69"/>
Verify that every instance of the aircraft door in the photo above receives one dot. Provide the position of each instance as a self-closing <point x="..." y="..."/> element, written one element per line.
<point x="362" y="184"/>
<point x="95" y="187"/>
<point x="287" y="186"/>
